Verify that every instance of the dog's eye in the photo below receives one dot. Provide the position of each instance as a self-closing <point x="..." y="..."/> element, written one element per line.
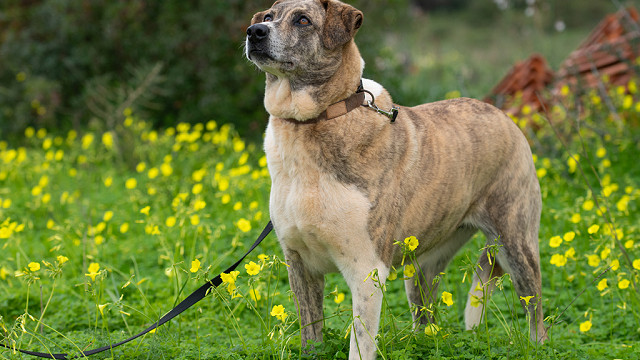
<point x="267" y="18"/>
<point x="303" y="21"/>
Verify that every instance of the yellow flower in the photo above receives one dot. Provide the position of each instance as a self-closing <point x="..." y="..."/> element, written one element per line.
<point x="237" y="206"/>
<point x="34" y="266"/>
<point x="602" y="152"/>
<point x="623" y="203"/>
<point x="604" y="253"/>
<point x="628" y="244"/>
<point x="585" y="326"/>
<point x="101" y="308"/>
<point x="131" y="183"/>
<point x="409" y="270"/>
<point x="526" y="299"/>
<point x="623" y="284"/>
<point x="3" y="273"/>
<point x="572" y="162"/>
<point x="602" y="284"/>
<point x="278" y="312"/>
<point x="223" y="184"/>
<point x="255" y="295"/>
<point x="575" y="218"/>
<point x="195" y="266"/>
<point x="339" y="298"/>
<point x="226" y="198"/>
<point x="636" y="264"/>
<point x="87" y="140"/>
<point x="593" y="229"/>
<point x="197" y="189"/>
<point x="555" y="241"/>
<point x="558" y="260"/>
<point x="166" y="169"/>
<point x="569" y="236"/>
<point x="194" y="220"/>
<point x="431" y="329"/>
<point x="411" y="242"/>
<point x="593" y="260"/>
<point x="153" y="173"/>
<point x="107" y="140"/>
<point x="145" y="210"/>
<point x="62" y="259"/>
<point x="392" y="275"/>
<point x="124" y="228"/>
<point x="108" y="215"/>
<point x="447" y="298"/>
<point x="542" y="172"/>
<point x="615" y="264"/>
<point x="475" y="301"/>
<point x="252" y="268"/>
<point x="93" y="271"/>
<point x="108" y="181"/>
<point x="588" y="205"/>
<point x="244" y="225"/>
<point x="171" y="221"/>
<point x="229" y="278"/>
<point x="570" y="253"/>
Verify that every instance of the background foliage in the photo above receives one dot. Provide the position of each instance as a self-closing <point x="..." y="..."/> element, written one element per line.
<point x="65" y="64"/>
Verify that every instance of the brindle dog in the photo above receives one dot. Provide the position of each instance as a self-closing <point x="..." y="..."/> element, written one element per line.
<point x="346" y="188"/>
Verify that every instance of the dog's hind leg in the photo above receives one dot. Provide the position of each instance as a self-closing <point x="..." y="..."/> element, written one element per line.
<point x="514" y="212"/>
<point x="308" y="289"/>
<point x="484" y="278"/>
<point x="421" y="289"/>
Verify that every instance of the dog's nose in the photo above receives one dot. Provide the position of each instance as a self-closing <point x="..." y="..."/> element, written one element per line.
<point x="257" y="32"/>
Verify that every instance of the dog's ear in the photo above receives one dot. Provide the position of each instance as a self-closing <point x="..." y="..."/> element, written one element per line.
<point x="341" y="23"/>
<point x="258" y="17"/>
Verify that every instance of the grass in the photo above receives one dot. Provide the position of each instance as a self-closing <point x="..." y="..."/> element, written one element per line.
<point x="102" y="233"/>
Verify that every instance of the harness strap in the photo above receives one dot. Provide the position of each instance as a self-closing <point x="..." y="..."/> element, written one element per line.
<point x="196" y="296"/>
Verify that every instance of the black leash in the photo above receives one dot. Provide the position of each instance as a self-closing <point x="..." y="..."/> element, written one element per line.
<point x="184" y="305"/>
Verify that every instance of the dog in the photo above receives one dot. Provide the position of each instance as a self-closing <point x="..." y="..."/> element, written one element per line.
<point x="348" y="181"/>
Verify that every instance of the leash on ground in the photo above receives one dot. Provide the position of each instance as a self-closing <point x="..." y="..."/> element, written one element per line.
<point x="196" y="296"/>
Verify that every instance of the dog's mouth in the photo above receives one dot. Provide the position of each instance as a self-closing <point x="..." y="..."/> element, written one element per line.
<point x="265" y="61"/>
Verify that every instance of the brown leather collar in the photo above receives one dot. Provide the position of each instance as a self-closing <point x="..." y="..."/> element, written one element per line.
<point x="336" y="109"/>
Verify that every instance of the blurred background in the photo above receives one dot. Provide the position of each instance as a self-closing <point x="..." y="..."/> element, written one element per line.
<point x="79" y="63"/>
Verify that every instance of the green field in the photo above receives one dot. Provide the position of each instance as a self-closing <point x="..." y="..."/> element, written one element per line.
<point x="100" y="233"/>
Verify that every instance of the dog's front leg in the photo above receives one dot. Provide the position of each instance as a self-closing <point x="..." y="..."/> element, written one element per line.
<point x="366" y="291"/>
<point x="308" y="289"/>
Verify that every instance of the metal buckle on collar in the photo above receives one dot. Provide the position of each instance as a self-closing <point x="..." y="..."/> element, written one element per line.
<point x="391" y="114"/>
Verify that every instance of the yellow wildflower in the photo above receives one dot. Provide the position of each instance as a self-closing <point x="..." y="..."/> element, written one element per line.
<point x="555" y="241"/>
<point x="431" y="329"/>
<point x="34" y="266"/>
<point x="411" y="242"/>
<point x="197" y="189"/>
<point x="194" y="219"/>
<point x="447" y="298"/>
<point x="195" y="266"/>
<point x="339" y="298"/>
<point x="171" y="221"/>
<point x="131" y="183"/>
<point x="526" y="299"/>
<point x="602" y="284"/>
<point x="409" y="270"/>
<point x="145" y="210"/>
<point x="588" y="205"/>
<point x="585" y="326"/>
<point x="108" y="215"/>
<point x="569" y="236"/>
<point x="278" y="312"/>
<point x="475" y="301"/>
<point x="558" y="260"/>
<point x="62" y="259"/>
<point x="615" y="264"/>
<point x="601" y="152"/>
<point x="575" y="218"/>
<point x="623" y="284"/>
<point x="252" y="268"/>
<point x="93" y="271"/>
<point x="636" y="264"/>
<point x="593" y="229"/>
<point x="604" y="253"/>
<point x="593" y="260"/>
<point x="229" y="278"/>
<point x="107" y="140"/>
<point x="244" y="225"/>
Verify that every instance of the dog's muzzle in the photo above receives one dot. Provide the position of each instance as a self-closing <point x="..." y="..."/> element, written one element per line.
<point x="257" y="43"/>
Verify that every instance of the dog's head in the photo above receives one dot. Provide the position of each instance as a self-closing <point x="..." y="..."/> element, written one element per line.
<point x="295" y="39"/>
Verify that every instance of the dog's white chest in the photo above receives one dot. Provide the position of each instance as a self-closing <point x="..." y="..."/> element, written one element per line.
<point x="314" y="214"/>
